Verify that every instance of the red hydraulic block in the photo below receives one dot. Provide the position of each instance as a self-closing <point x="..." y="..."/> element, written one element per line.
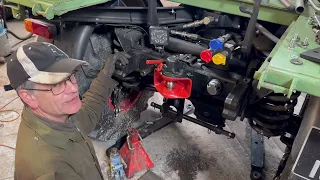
<point x="134" y="154"/>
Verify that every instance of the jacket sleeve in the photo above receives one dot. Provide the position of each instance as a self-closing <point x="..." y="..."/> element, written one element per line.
<point x="60" y="176"/>
<point x="94" y="102"/>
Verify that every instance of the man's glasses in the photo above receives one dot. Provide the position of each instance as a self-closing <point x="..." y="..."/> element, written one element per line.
<point x="60" y="87"/>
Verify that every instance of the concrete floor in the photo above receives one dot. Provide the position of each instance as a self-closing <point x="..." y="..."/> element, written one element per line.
<point x="182" y="151"/>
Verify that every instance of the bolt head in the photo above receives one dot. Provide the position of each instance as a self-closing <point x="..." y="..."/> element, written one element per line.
<point x="296" y="61"/>
<point x="296" y="37"/>
<point x="170" y="85"/>
<point x="305" y="43"/>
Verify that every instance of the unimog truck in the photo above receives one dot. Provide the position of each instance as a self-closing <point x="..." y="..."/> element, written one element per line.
<point x="232" y="59"/>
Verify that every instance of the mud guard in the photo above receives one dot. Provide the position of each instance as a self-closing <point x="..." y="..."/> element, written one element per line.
<point x="74" y="41"/>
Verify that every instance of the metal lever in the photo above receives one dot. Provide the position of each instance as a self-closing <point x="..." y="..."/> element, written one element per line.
<point x="149" y="62"/>
<point x="257" y="155"/>
<point x="247" y="42"/>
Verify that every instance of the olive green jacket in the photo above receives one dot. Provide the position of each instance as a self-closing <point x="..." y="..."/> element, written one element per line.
<point x="43" y="153"/>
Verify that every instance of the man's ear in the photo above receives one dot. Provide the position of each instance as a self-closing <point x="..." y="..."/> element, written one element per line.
<point x="28" y="98"/>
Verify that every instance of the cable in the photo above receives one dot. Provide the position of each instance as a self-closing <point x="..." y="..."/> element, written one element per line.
<point x="8" y="146"/>
<point x="6" y="26"/>
<point x="1" y="111"/>
<point x="20" y="38"/>
<point x="9" y="103"/>
<point x="6" y="111"/>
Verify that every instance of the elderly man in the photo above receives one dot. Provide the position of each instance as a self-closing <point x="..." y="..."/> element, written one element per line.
<point x="52" y="140"/>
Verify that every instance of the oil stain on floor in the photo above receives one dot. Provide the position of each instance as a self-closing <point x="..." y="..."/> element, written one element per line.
<point x="188" y="162"/>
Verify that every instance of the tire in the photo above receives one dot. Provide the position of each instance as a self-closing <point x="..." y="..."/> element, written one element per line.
<point x="109" y="127"/>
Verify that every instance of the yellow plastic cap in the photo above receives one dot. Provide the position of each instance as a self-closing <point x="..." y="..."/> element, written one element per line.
<point x="219" y="59"/>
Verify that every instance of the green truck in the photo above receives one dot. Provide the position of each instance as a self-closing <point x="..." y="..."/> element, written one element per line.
<point x="231" y="58"/>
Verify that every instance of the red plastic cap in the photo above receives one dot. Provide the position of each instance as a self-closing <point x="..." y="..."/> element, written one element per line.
<point x="206" y="55"/>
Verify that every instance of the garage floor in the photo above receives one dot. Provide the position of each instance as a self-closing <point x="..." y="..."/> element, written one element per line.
<point x="182" y="151"/>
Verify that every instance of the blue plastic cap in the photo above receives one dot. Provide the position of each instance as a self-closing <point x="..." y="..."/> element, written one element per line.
<point x="216" y="44"/>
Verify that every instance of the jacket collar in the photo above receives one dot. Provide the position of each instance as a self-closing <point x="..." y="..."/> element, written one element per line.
<point x="51" y="136"/>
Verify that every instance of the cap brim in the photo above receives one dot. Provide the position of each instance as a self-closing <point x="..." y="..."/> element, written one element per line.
<point x="58" y="72"/>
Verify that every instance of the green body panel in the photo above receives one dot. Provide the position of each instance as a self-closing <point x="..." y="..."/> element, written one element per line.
<point x="280" y="75"/>
<point x="50" y="8"/>
<point x="274" y="11"/>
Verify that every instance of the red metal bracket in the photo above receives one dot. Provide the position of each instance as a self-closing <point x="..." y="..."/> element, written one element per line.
<point x="181" y="87"/>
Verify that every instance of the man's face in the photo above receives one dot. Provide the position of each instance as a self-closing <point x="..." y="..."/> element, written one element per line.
<point x="66" y="103"/>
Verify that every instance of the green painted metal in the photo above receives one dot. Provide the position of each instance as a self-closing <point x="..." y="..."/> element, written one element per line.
<point x="280" y="75"/>
<point x="273" y="12"/>
<point x="51" y="8"/>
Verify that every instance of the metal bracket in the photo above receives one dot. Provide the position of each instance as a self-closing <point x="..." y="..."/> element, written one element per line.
<point x="247" y="42"/>
<point x="232" y="103"/>
<point x="257" y="155"/>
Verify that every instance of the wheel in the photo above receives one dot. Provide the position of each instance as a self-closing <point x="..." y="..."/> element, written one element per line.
<point x="132" y="103"/>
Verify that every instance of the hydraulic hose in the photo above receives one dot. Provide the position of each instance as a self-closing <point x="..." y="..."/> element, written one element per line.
<point x="288" y="5"/>
<point x="182" y="46"/>
<point x="18" y="37"/>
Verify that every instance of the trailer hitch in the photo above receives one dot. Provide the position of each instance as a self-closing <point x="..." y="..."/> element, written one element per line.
<point x="169" y="84"/>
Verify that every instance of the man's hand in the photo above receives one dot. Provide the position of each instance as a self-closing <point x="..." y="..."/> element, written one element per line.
<point x="110" y="62"/>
